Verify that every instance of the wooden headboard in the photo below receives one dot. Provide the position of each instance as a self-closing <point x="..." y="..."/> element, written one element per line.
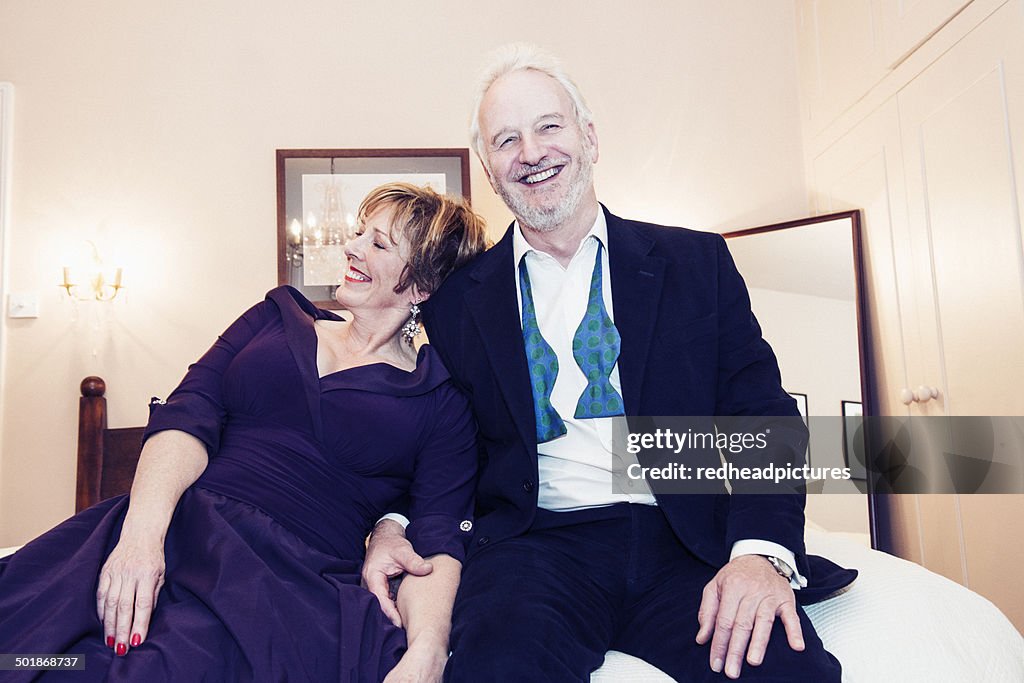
<point x="106" y="457"/>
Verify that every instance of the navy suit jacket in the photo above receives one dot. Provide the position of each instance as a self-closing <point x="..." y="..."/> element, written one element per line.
<point x="690" y="347"/>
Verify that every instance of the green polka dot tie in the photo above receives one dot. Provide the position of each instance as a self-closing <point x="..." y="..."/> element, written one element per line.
<point x="542" y="363"/>
<point x="596" y="346"/>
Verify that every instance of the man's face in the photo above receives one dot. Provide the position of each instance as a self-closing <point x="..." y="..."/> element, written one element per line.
<point x="538" y="159"/>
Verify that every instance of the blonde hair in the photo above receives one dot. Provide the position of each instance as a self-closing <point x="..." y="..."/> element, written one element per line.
<point x="517" y="57"/>
<point x="443" y="232"/>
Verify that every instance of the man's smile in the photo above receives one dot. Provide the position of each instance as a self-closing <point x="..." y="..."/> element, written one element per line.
<point x="541" y="176"/>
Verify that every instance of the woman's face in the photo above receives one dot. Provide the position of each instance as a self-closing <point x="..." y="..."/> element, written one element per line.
<point x="375" y="264"/>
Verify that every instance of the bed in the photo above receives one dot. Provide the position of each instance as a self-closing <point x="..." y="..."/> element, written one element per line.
<point x="897" y="622"/>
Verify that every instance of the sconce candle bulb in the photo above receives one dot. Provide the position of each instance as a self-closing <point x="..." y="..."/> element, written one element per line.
<point x="100" y="286"/>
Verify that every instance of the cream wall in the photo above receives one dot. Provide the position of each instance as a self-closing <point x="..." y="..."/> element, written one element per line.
<point x="151" y="129"/>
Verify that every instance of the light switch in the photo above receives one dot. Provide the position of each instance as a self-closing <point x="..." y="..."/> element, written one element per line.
<point x="23" y="305"/>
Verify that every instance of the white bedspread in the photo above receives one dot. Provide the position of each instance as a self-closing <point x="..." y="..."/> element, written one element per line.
<point x="897" y="622"/>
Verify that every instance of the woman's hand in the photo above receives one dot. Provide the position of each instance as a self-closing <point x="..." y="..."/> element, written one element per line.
<point x="130" y="582"/>
<point x="423" y="662"/>
<point x="133" y="574"/>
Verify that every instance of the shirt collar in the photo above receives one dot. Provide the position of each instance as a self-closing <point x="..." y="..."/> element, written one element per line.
<point x="520" y="247"/>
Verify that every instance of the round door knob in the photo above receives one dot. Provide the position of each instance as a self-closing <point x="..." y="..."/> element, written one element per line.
<point x="906" y="396"/>
<point x="925" y="393"/>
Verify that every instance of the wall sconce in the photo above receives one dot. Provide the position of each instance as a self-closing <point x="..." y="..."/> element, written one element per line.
<point x="92" y="282"/>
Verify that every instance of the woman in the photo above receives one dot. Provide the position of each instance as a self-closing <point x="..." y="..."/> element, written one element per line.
<point x="236" y="555"/>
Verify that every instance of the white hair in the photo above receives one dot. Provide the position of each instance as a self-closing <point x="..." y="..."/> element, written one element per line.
<point x="518" y="57"/>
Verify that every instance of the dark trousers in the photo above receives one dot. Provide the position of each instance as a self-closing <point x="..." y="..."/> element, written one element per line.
<point x="546" y="606"/>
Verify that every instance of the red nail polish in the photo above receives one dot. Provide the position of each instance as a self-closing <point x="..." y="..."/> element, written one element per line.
<point x="110" y="641"/>
<point x="136" y="639"/>
<point x="121" y="649"/>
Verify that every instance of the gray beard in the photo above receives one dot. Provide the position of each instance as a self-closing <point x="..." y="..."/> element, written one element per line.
<point x="548" y="219"/>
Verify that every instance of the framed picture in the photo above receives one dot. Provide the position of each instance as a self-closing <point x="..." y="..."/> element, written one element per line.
<point x="318" y="196"/>
<point x="801" y="405"/>
<point x="853" y="438"/>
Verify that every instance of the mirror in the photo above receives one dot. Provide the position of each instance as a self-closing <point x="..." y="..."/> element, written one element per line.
<point x="806" y="284"/>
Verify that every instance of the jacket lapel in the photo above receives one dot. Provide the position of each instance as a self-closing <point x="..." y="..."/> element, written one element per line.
<point x="492" y="304"/>
<point x="637" y="279"/>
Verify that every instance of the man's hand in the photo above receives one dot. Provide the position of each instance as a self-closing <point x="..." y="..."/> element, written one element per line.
<point x="739" y="607"/>
<point x="389" y="554"/>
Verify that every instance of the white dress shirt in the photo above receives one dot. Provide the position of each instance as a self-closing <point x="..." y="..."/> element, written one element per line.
<point x="575" y="469"/>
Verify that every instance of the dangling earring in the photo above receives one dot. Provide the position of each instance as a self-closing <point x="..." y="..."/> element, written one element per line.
<point x="412" y="328"/>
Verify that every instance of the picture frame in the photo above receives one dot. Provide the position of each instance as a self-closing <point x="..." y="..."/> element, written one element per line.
<point x="318" y="195"/>
<point x="801" y="406"/>
<point x="853" y="438"/>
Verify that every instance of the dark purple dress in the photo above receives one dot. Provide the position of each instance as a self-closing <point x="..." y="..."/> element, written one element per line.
<point x="264" y="550"/>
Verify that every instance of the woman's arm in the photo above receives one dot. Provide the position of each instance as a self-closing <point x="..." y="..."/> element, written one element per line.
<point x="133" y="574"/>
<point x="171" y="461"/>
<point x="425" y="603"/>
<point x="182" y="431"/>
<point x="441" y="510"/>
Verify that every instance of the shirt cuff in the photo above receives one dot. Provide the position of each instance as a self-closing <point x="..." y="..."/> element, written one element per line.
<point x="395" y="517"/>
<point x="756" y="546"/>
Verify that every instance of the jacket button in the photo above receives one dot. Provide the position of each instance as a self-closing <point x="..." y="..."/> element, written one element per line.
<point x="484" y="540"/>
<point x="527" y="485"/>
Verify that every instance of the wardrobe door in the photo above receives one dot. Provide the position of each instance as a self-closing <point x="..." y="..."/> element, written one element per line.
<point x="962" y="123"/>
<point x="993" y="528"/>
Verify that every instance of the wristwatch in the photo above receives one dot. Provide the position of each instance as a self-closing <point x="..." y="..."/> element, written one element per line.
<point x="784" y="570"/>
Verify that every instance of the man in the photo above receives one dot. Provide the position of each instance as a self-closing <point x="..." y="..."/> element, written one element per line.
<point x="561" y="566"/>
